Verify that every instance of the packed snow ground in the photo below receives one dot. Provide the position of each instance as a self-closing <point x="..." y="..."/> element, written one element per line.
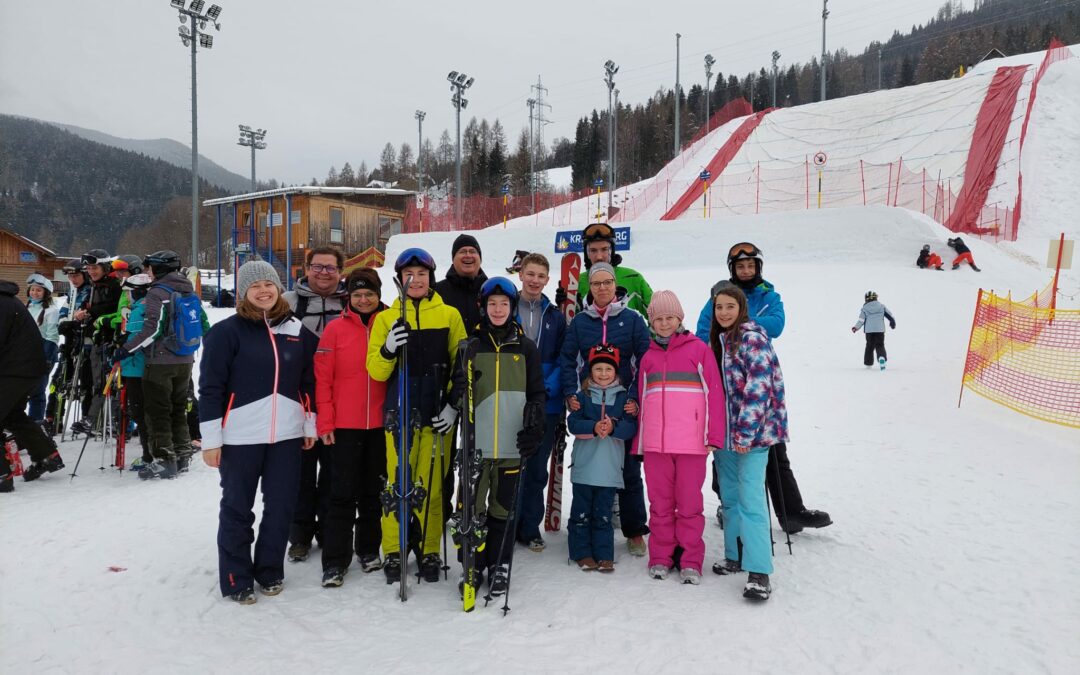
<point x="954" y="546"/>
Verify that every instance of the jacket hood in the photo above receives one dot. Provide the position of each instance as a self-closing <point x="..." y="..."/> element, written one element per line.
<point x="8" y="288"/>
<point x="177" y="282"/>
<point x="614" y="390"/>
<point x="303" y="289"/>
<point x="613" y="309"/>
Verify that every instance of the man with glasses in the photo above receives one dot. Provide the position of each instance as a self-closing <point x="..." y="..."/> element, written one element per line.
<point x="598" y="241"/>
<point x="316" y="300"/>
<point x="766" y="309"/>
<point x="607" y="321"/>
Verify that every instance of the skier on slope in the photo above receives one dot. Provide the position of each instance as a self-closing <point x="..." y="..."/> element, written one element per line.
<point x="928" y="259"/>
<point x="765" y="307"/>
<point x="872" y="318"/>
<point x="508" y="400"/>
<point x="963" y="253"/>
<point x="431" y="337"/>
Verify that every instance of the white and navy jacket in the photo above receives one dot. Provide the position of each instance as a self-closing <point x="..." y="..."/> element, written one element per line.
<point x="257" y="382"/>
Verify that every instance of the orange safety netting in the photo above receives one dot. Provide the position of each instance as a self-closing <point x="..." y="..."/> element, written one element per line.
<point x="1026" y="356"/>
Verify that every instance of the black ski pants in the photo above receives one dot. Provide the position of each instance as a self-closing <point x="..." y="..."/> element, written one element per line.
<point x="313" y="503"/>
<point x="359" y="460"/>
<point x="875" y="342"/>
<point x="136" y="410"/>
<point x="165" y="387"/>
<point x="14" y="394"/>
<point x="495" y="490"/>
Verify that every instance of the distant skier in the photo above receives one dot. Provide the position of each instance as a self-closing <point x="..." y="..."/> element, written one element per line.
<point x="872" y="318"/>
<point x="928" y="259"/>
<point x="963" y="253"/>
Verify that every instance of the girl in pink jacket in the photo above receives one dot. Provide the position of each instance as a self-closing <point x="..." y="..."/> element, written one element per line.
<point x="681" y="421"/>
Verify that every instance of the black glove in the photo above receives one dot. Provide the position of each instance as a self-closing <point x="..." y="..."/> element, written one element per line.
<point x="892" y="324"/>
<point x="118" y="355"/>
<point x="560" y="296"/>
<point x="528" y="441"/>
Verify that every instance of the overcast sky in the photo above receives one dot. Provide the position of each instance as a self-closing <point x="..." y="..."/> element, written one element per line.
<point x="334" y="80"/>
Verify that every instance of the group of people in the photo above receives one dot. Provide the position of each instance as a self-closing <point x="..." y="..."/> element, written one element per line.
<point x="928" y="259"/>
<point x="303" y="392"/>
<point x="130" y="324"/>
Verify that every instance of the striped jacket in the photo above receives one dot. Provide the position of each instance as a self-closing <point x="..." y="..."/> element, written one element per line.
<point x="256" y="382"/>
<point x="682" y="398"/>
<point x="754" y="387"/>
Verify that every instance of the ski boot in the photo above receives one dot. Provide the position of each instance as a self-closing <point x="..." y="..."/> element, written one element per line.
<point x="164" y="469"/>
<point x="689" y="575"/>
<point x="83" y="426"/>
<point x="392" y="567"/>
<point x="183" y="458"/>
<point x="430" y="566"/>
<point x="369" y="562"/>
<point x="272" y="588"/>
<point x="881" y="362"/>
<point x="461" y="583"/>
<point x="757" y="587"/>
<point x="498" y="580"/>
<point x="52" y="464"/>
<point x="726" y="566"/>
<point x="812" y="518"/>
<point x="244" y="597"/>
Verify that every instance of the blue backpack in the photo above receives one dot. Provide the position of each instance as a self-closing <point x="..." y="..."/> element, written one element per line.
<point x="183" y="327"/>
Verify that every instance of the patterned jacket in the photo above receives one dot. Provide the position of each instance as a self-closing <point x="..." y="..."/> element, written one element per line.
<point x="754" y="387"/>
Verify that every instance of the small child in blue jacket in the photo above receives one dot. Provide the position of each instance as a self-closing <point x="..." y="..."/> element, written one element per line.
<point x="601" y="429"/>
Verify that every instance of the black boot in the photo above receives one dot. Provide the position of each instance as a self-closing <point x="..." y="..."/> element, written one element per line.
<point x="6" y="483"/>
<point x="392" y="567"/>
<point x="499" y="581"/>
<point x="430" y="566"/>
<point x="52" y="464"/>
<point x="812" y="518"/>
<point x="757" y="587"/>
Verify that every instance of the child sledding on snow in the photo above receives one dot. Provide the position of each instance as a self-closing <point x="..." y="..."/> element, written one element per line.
<point x="872" y="318"/>
<point x="928" y="259"/>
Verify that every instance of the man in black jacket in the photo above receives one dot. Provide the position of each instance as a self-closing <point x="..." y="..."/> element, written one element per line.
<point x="461" y="286"/>
<point x="22" y="363"/>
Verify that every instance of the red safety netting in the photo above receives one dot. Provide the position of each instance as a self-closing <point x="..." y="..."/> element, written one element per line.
<point x="1056" y="52"/>
<point x="480" y="211"/>
<point x="1026" y="356"/>
<point x="987" y="142"/>
<point x="739" y="107"/>
<point x="717" y="165"/>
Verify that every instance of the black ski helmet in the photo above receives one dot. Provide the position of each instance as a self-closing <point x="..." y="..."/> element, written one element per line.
<point x="599" y="231"/>
<point x="134" y="263"/>
<point x="871" y="296"/>
<point x="162" y="262"/>
<point x="744" y="250"/>
<point x="498" y="286"/>
<point x="98" y="256"/>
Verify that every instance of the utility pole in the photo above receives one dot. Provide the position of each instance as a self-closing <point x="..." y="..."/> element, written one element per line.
<point x="532" y="154"/>
<point x="709" y="61"/>
<point x="420" y="115"/>
<point x="824" y="17"/>
<point x="775" y="73"/>
<point x="678" y="38"/>
<point x="879" y="69"/>
<point x="538" y="136"/>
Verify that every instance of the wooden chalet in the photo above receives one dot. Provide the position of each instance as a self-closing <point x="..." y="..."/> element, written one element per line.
<point x="20" y="257"/>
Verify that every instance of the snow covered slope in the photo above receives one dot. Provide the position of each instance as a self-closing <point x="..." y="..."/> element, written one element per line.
<point x="953" y="549"/>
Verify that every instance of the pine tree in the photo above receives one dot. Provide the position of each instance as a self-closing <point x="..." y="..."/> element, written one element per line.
<point x="347" y="178"/>
<point x="388" y="164"/>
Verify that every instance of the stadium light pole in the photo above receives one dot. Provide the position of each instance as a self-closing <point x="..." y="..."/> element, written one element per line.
<point x="252" y="138"/>
<point x="879" y="69"/>
<point x="609" y="79"/>
<point x="709" y="61"/>
<point x="678" y="38"/>
<point x="824" y="18"/>
<point x="775" y="73"/>
<point x="459" y="82"/>
<point x="420" y="115"/>
<point x="532" y="154"/>
<point x="194" y="38"/>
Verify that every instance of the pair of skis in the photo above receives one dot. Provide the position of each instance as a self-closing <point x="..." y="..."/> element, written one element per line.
<point x="571" y="269"/>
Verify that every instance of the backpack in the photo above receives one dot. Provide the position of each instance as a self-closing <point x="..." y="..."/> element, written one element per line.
<point x="183" y="327"/>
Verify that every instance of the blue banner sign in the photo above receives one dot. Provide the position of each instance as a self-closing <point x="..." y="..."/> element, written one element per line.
<point x="570" y="241"/>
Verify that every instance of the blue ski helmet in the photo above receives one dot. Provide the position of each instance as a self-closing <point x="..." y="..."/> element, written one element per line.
<point x="414" y="256"/>
<point x="498" y="286"/>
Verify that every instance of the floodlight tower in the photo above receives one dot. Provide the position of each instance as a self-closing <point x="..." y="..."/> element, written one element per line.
<point x="420" y="115"/>
<point x="824" y="18"/>
<point x="775" y="74"/>
<point x="709" y="61"/>
<point x="189" y="37"/>
<point x="609" y="79"/>
<point x="252" y="138"/>
<point x="459" y="82"/>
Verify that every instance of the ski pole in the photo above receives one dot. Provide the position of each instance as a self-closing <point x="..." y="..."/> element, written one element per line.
<point x="783" y="507"/>
<point x="511" y="516"/>
<point x="768" y="511"/>
<point x="442" y="483"/>
<point x="512" y="525"/>
<point x="427" y="500"/>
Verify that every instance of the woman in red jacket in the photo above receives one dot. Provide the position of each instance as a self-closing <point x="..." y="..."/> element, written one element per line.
<point x="350" y="422"/>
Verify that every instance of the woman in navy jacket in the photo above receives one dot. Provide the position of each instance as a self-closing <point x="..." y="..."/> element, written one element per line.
<point x="256" y="385"/>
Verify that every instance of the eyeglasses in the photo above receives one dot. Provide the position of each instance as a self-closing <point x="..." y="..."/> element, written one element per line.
<point x="744" y="250"/>
<point x="598" y="231"/>
<point x="320" y="269"/>
<point x="602" y="283"/>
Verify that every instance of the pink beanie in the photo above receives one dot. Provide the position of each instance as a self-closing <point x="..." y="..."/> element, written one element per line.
<point x="665" y="303"/>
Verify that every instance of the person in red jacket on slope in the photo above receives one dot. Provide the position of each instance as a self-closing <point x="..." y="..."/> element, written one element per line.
<point x="350" y="423"/>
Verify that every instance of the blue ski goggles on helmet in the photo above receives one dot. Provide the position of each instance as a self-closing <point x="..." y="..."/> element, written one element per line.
<point x="414" y="256"/>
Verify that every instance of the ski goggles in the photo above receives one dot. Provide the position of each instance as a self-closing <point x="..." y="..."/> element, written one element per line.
<point x="598" y="232"/>
<point x="414" y="256"/>
<point x="744" y="250"/>
<point x="73" y="269"/>
<point x="88" y="259"/>
<point x="39" y="280"/>
<point x="498" y="286"/>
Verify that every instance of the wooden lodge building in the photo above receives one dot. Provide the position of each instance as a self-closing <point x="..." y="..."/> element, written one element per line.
<point x="20" y="257"/>
<point x="354" y="219"/>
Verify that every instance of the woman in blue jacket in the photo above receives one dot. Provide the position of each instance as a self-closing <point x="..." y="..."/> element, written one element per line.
<point x="256" y="385"/>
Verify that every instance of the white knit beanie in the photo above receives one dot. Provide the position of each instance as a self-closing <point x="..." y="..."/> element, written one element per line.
<point x="255" y="270"/>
